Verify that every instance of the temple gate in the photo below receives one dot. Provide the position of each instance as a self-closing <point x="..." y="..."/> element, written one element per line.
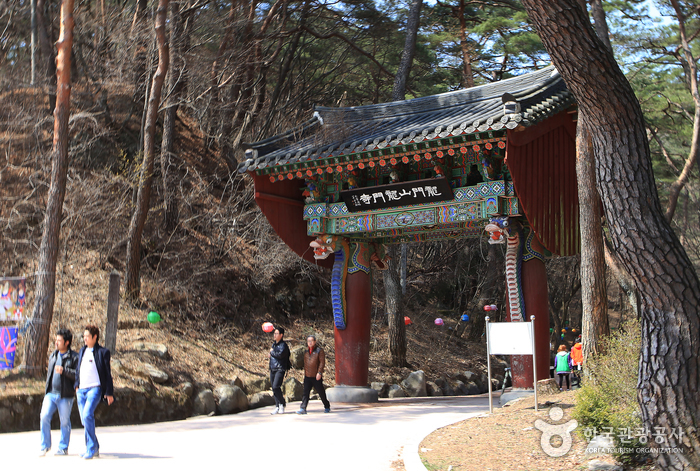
<point x="494" y="161"/>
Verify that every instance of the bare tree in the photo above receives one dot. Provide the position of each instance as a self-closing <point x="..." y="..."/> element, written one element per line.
<point x="690" y="67"/>
<point x="143" y="199"/>
<point x="38" y="338"/>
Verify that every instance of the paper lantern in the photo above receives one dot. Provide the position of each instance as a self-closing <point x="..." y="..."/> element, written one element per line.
<point x="551" y="330"/>
<point x="268" y="327"/>
<point x="153" y="317"/>
<point x="487" y="308"/>
<point x="563" y="331"/>
<point x="439" y="321"/>
<point x="573" y="330"/>
<point x="494" y="307"/>
<point x="407" y="320"/>
<point x="562" y="336"/>
<point x="465" y="317"/>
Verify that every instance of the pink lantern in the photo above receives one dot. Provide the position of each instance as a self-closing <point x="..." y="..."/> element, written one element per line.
<point x="487" y="308"/>
<point x="407" y="320"/>
<point x="439" y="321"/>
<point x="494" y="307"/>
<point x="268" y="327"/>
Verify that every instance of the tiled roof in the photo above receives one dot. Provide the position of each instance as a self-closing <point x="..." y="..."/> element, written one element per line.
<point x="344" y="131"/>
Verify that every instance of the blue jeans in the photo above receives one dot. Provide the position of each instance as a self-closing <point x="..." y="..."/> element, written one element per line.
<point x="52" y="402"/>
<point x="87" y="403"/>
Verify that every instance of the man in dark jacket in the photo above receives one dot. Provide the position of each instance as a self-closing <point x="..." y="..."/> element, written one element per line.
<point x="93" y="381"/>
<point x="59" y="392"/>
<point x="314" y="363"/>
<point x="279" y="364"/>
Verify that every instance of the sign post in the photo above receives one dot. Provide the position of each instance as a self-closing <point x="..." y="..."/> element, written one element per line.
<point x="510" y="338"/>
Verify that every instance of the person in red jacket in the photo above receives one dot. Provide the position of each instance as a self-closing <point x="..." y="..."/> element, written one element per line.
<point x="577" y="361"/>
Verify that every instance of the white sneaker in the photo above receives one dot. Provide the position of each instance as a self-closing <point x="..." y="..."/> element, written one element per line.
<point x="281" y="410"/>
<point x="43" y="452"/>
<point x="276" y="411"/>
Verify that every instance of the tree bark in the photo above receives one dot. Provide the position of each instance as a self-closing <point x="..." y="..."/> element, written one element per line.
<point x="467" y="73"/>
<point x="38" y="336"/>
<point x="138" y="220"/>
<point x="594" y="295"/>
<point x="601" y="25"/>
<point x="34" y="42"/>
<point x="409" y="49"/>
<point x="47" y="54"/>
<point x="177" y="81"/>
<point x="669" y="378"/>
<point x="392" y="292"/>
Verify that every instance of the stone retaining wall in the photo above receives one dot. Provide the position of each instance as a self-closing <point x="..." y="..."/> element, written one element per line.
<point x="19" y="413"/>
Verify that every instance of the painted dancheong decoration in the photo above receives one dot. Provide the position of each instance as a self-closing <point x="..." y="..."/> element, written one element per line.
<point x="350" y="181"/>
<point x="349" y="258"/>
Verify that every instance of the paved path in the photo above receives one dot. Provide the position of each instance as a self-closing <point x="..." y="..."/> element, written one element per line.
<point x="377" y="436"/>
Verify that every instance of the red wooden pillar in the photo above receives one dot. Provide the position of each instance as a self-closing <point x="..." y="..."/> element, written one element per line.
<point x="352" y="343"/>
<point x="534" y="284"/>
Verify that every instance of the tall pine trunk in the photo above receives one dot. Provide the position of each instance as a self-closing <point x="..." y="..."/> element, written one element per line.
<point x="594" y="295"/>
<point x="143" y="199"/>
<point x="38" y="335"/>
<point x="392" y="275"/>
<point x="669" y="366"/>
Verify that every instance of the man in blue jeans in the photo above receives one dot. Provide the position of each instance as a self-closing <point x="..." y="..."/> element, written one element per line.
<point x="93" y="381"/>
<point x="59" y="392"/>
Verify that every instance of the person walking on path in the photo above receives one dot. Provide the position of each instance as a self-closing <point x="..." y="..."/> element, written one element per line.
<point x="279" y="364"/>
<point x="576" y="362"/>
<point x="314" y="363"/>
<point x="93" y="382"/>
<point x="59" y="394"/>
<point x="562" y="366"/>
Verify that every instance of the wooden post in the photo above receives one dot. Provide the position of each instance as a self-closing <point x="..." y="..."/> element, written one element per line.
<point x="112" y="312"/>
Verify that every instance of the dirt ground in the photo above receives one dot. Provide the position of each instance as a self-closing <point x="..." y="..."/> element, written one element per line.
<point x="508" y="440"/>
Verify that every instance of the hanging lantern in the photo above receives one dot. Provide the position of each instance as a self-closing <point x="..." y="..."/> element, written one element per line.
<point x="268" y="327"/>
<point x="153" y="317"/>
<point x="494" y="307"/>
<point x="465" y="317"/>
<point x="407" y="320"/>
<point x="439" y="321"/>
<point x="487" y="308"/>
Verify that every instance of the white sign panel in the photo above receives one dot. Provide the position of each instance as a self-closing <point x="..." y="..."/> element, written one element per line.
<point x="510" y="338"/>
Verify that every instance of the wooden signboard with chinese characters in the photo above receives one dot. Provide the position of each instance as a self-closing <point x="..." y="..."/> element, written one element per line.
<point x="430" y="190"/>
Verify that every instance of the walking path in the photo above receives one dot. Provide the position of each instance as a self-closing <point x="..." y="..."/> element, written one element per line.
<point x="352" y="437"/>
